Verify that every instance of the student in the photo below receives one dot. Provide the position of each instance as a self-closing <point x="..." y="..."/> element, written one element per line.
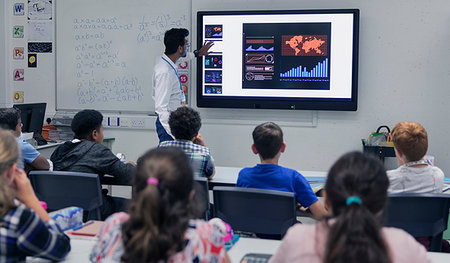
<point x="167" y="91"/>
<point x="160" y="227"/>
<point x="31" y="158"/>
<point x="268" y="144"/>
<point x="356" y="193"/>
<point x="86" y="154"/>
<point x="414" y="174"/>
<point x="185" y="124"/>
<point x="25" y="229"/>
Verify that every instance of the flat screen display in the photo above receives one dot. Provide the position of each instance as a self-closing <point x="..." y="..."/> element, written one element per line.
<point x="303" y="59"/>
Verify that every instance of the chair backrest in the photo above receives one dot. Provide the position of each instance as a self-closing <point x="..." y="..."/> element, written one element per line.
<point x="266" y="213"/>
<point x="421" y="215"/>
<point x="62" y="189"/>
<point x="202" y="195"/>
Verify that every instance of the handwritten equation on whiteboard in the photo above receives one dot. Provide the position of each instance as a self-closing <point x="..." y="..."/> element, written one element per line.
<point x="153" y="28"/>
<point x="104" y="48"/>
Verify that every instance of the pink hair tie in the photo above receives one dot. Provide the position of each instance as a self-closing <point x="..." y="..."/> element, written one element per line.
<point x="152" y="181"/>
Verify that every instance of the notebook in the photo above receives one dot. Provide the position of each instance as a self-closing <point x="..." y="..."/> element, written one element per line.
<point x="91" y="228"/>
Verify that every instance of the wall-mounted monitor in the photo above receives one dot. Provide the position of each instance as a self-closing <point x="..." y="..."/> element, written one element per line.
<point x="296" y="59"/>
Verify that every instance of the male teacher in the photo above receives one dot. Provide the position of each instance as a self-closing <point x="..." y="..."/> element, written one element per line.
<point x="167" y="90"/>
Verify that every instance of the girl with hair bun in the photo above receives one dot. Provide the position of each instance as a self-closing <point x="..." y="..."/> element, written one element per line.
<point x="25" y="227"/>
<point x="160" y="226"/>
<point x="356" y="193"/>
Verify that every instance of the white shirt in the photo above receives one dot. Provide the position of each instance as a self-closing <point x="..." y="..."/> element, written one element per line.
<point x="167" y="92"/>
<point x="429" y="179"/>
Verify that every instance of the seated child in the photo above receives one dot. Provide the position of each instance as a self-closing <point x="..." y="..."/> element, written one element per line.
<point x="355" y="193"/>
<point x="30" y="159"/>
<point x="414" y="174"/>
<point x="160" y="226"/>
<point x="25" y="228"/>
<point x="86" y="154"/>
<point x="185" y="124"/>
<point x="268" y="144"/>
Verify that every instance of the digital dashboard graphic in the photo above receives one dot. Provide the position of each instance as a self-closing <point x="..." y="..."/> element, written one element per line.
<point x="296" y="54"/>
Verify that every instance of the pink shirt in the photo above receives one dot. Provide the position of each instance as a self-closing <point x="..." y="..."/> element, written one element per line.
<point x="306" y="243"/>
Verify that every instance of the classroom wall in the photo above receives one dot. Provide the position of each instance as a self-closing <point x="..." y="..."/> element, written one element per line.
<point x="4" y="18"/>
<point x="404" y="74"/>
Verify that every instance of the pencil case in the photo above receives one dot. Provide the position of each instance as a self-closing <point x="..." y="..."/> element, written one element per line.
<point x="68" y="218"/>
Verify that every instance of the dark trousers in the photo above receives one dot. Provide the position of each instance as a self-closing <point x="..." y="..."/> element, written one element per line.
<point x="162" y="134"/>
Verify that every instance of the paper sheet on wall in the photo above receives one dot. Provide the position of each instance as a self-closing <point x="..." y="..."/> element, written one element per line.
<point x="40" y="30"/>
<point x="39" y="9"/>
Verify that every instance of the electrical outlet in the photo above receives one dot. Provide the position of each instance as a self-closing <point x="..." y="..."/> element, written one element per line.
<point x="124" y="122"/>
<point x="138" y="123"/>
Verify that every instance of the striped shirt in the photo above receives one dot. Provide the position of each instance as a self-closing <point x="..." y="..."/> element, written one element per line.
<point x="23" y="233"/>
<point x="200" y="156"/>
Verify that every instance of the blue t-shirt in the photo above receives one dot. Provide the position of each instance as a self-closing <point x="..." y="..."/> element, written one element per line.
<point x="29" y="153"/>
<point x="275" y="177"/>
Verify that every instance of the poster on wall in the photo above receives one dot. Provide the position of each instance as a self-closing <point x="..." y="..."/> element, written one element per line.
<point x="18" y="74"/>
<point x="37" y="47"/>
<point x="18" y="53"/>
<point x="19" y="9"/>
<point x="184" y="73"/>
<point x="40" y="30"/>
<point x="32" y="60"/>
<point x="39" y="9"/>
<point x="17" y="31"/>
<point x="18" y="97"/>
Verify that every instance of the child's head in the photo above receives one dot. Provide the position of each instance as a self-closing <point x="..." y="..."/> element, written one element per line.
<point x="356" y="191"/>
<point x="160" y="208"/>
<point x="411" y="139"/>
<point x="185" y="123"/>
<point x="9" y="155"/>
<point x="268" y="140"/>
<point x="10" y="120"/>
<point x="87" y="124"/>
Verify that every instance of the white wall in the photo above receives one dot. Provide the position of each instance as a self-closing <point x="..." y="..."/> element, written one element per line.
<point x="39" y="83"/>
<point x="3" y="61"/>
<point x="404" y="74"/>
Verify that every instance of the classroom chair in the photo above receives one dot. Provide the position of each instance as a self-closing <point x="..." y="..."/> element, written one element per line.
<point x="201" y="197"/>
<point x="421" y="215"/>
<point x="63" y="189"/>
<point x="267" y="213"/>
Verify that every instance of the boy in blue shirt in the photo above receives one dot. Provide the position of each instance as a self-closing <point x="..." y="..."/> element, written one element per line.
<point x="268" y="144"/>
<point x="31" y="159"/>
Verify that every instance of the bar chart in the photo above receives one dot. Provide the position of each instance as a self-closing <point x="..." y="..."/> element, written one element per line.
<point x="319" y="71"/>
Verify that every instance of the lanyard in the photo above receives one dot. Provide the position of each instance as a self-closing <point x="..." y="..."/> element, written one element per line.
<point x="178" y="77"/>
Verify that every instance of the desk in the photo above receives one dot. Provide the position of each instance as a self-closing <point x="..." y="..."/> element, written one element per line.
<point x="47" y="149"/>
<point x="80" y="250"/>
<point x="252" y="245"/>
<point x="227" y="176"/>
<point x="266" y="246"/>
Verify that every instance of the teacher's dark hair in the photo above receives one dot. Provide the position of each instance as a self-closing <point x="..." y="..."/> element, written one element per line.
<point x="355" y="236"/>
<point x="174" y="38"/>
<point x="160" y="212"/>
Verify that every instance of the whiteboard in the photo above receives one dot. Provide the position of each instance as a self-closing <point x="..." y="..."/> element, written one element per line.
<point x="106" y="51"/>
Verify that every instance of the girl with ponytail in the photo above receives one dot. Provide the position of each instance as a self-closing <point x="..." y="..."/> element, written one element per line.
<point x="160" y="226"/>
<point x="355" y="193"/>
